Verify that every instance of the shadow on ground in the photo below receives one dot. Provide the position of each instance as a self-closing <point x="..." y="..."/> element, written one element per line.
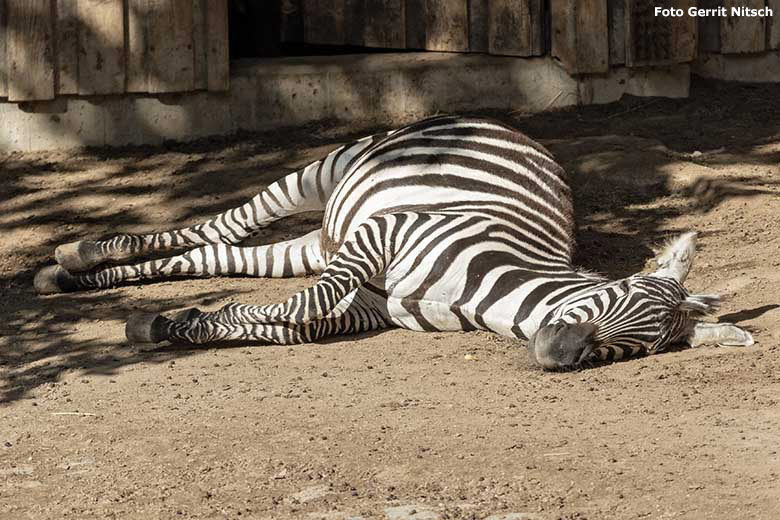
<point x="622" y="206"/>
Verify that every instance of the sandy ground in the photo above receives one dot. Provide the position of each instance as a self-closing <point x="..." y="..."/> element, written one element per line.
<point x="398" y="424"/>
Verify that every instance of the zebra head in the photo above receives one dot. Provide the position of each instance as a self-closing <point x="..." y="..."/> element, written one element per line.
<point x="638" y="314"/>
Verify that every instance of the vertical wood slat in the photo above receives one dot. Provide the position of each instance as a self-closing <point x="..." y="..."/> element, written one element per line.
<point x="437" y="25"/>
<point x="384" y="24"/>
<point x="3" y="54"/>
<point x="67" y="47"/>
<point x="199" y="35"/>
<point x="515" y="27"/>
<point x="170" y="46"/>
<point x="137" y="45"/>
<point x="217" y="46"/>
<point x="29" y="50"/>
<point x="291" y="25"/>
<point x="479" y="27"/>
<point x="447" y="25"/>
<point x="742" y="34"/>
<point x="656" y="40"/>
<point x="415" y="24"/>
<point x="709" y="27"/>
<point x="773" y="25"/>
<point x="580" y="36"/>
<point x="616" y="20"/>
<point x="324" y="21"/>
<point x="101" y="47"/>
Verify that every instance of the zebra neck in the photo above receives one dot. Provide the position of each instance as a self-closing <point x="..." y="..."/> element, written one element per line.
<point x="530" y="305"/>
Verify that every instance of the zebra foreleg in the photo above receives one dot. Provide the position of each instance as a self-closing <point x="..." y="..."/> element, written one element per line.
<point x="193" y="326"/>
<point x="284" y="259"/>
<point x="360" y="258"/>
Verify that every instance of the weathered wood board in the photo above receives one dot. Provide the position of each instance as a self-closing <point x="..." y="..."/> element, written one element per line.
<point x="324" y="21"/>
<point x="616" y="21"/>
<point x="479" y="37"/>
<point x="170" y="55"/>
<point x="137" y="48"/>
<point x="291" y="25"/>
<point x="199" y="35"/>
<point x="580" y="35"/>
<point x="742" y="34"/>
<point x="659" y="40"/>
<point x="437" y="25"/>
<point x="773" y="25"/>
<point x="101" y="63"/>
<point x="515" y="27"/>
<point x="709" y="27"/>
<point x="29" y="50"/>
<point x="3" y="60"/>
<point x="67" y="47"/>
<point x="384" y="24"/>
<point x="217" y="46"/>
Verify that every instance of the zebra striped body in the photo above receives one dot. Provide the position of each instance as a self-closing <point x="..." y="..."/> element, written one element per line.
<point x="448" y="224"/>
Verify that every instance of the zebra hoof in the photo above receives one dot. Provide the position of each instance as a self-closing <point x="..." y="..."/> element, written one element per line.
<point x="78" y="256"/>
<point x="54" y="279"/>
<point x="186" y="314"/>
<point x="146" y="327"/>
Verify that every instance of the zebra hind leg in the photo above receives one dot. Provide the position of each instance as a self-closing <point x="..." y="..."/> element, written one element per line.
<point x="307" y="189"/>
<point x="284" y="259"/>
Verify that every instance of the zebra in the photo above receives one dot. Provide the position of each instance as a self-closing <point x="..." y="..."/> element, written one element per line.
<point x="449" y="224"/>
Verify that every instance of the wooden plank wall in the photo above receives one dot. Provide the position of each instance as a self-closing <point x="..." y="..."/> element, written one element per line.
<point x="99" y="47"/>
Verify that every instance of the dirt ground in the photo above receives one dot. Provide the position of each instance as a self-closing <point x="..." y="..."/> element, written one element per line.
<point x="398" y="424"/>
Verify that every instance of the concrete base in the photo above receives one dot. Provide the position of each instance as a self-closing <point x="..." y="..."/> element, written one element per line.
<point x="756" y="68"/>
<point x="269" y="93"/>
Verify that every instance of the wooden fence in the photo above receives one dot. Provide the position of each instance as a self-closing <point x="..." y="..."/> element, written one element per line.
<point x="86" y="47"/>
<point x="89" y="47"/>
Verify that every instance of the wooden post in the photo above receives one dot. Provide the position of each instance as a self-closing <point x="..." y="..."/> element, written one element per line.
<point x="29" y="50"/>
<point x="102" y="47"/>
<point x="67" y="38"/>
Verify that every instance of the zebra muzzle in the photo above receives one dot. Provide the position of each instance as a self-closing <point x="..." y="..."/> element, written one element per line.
<point x="560" y="346"/>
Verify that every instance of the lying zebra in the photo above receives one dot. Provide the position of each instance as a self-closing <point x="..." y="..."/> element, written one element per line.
<point x="448" y="224"/>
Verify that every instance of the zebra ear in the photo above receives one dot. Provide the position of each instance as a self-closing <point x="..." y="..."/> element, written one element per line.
<point x="677" y="257"/>
<point x="700" y="304"/>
